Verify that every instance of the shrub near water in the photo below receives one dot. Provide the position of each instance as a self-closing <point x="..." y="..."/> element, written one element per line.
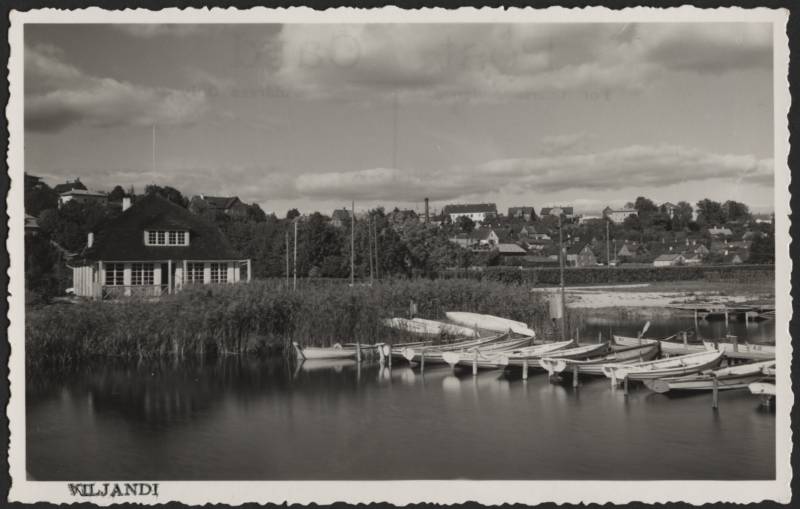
<point x="222" y="319"/>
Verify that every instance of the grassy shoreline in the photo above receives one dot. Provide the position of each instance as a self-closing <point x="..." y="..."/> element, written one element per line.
<point x="258" y="317"/>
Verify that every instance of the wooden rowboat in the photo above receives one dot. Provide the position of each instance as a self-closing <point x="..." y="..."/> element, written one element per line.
<point x="493" y="355"/>
<point x="743" y="350"/>
<point x="337" y="351"/>
<point x="489" y="322"/>
<point x="578" y="352"/>
<point x="620" y="355"/>
<point x="663" y="368"/>
<point x="433" y="353"/>
<point x="732" y="377"/>
<point x="764" y="389"/>
<point x="667" y="347"/>
<point x="425" y="327"/>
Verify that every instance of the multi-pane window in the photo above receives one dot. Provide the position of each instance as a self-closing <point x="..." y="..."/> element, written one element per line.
<point x="142" y="274"/>
<point x="115" y="274"/>
<point x="167" y="238"/>
<point x="194" y="272"/>
<point x="219" y="272"/>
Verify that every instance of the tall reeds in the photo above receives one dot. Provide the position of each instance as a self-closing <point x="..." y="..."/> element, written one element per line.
<point x="232" y="319"/>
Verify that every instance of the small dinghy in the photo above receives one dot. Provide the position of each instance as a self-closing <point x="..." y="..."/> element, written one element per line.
<point x="663" y="368"/>
<point x="667" y="347"/>
<point x="433" y="353"/>
<point x="425" y="327"/>
<point x="578" y="352"/>
<point x="336" y="351"/>
<point x="733" y="377"/>
<point x="493" y="355"/>
<point x="489" y="322"/>
<point x="743" y="350"/>
<point x="621" y="355"/>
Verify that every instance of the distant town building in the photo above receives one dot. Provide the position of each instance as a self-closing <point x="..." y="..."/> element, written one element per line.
<point x="525" y="213"/>
<point x="82" y="196"/>
<point x="719" y="232"/>
<point x="669" y="260"/>
<point x="618" y="216"/>
<point x="581" y="256"/>
<point x="486" y="236"/>
<point x="586" y="218"/>
<point x="340" y="218"/>
<point x="31" y="225"/>
<point x="154" y="248"/>
<point x="229" y="205"/>
<point x="508" y="249"/>
<point x="68" y="186"/>
<point x="478" y="212"/>
<point x="567" y="212"/>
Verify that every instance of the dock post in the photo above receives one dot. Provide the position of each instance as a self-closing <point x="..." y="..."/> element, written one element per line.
<point x="390" y="355"/>
<point x="524" y="369"/>
<point x="574" y="375"/>
<point x="613" y="379"/>
<point x="422" y="361"/>
<point x="599" y="337"/>
<point x="726" y="318"/>
<point x="715" y="395"/>
<point x="381" y="357"/>
<point x="685" y="341"/>
<point x="475" y="363"/>
<point x="695" y="318"/>
<point x="625" y="385"/>
<point x="358" y="352"/>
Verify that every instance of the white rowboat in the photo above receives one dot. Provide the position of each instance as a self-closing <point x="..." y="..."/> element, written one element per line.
<point x="663" y="368"/>
<point x="578" y="352"/>
<point x="743" y="350"/>
<point x="337" y="351"/>
<point x="489" y="322"/>
<point x="429" y="327"/>
<point x="667" y="347"/>
<point x="733" y="377"/>
<point x="554" y="365"/>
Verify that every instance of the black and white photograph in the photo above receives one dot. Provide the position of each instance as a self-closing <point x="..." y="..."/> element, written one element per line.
<point x="504" y="256"/>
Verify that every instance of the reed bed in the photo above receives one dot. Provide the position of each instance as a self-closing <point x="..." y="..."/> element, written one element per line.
<point x="232" y="319"/>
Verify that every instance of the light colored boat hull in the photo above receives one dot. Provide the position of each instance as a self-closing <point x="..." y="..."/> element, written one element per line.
<point x="744" y="350"/>
<point x="667" y="347"/>
<point x="665" y="368"/>
<point x="489" y="322"/>
<point x="595" y="366"/>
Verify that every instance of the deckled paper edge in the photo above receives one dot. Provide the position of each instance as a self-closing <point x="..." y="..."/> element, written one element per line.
<point x="405" y="492"/>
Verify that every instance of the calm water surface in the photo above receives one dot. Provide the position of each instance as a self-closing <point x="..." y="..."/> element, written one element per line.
<point x="246" y="419"/>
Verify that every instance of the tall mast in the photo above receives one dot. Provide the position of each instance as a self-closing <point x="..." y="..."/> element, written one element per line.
<point x="154" y="148"/>
<point x="353" y="243"/>
<point x="294" y="283"/>
<point x="369" y="249"/>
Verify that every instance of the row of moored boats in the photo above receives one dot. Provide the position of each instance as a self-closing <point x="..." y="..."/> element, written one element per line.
<point x="485" y="342"/>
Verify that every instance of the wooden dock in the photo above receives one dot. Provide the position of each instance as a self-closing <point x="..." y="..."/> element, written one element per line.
<point x="712" y="311"/>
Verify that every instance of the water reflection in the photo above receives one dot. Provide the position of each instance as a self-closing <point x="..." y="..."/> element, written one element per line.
<point x="252" y="419"/>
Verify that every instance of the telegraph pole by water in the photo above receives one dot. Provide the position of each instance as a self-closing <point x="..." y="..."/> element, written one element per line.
<point x="563" y="297"/>
<point x="294" y="282"/>
<point x="353" y="243"/>
<point x="608" y="247"/>
<point x="287" y="259"/>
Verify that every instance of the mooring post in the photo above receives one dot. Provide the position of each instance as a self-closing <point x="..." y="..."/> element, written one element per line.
<point x="390" y="355"/>
<point x="358" y="352"/>
<point x="524" y="369"/>
<point x="685" y="341"/>
<point x="726" y="318"/>
<point x="625" y="385"/>
<point x="613" y="378"/>
<point x="574" y="375"/>
<point x="599" y="337"/>
<point x="715" y="394"/>
<point x="695" y="318"/>
<point x="381" y="356"/>
<point x="422" y="361"/>
<point x="735" y="343"/>
<point x="475" y="363"/>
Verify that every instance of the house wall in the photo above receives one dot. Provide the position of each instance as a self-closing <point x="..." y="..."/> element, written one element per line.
<point x="83" y="280"/>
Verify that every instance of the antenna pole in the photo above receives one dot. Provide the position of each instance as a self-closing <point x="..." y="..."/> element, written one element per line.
<point x="377" y="264"/>
<point x="294" y="283"/>
<point x="287" y="259"/>
<point x="352" y="243"/>
<point x="154" y="148"/>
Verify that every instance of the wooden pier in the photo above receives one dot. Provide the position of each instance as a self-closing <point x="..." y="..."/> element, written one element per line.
<point x="715" y="311"/>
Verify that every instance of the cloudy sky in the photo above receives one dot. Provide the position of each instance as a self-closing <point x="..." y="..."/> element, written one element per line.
<point x="312" y="116"/>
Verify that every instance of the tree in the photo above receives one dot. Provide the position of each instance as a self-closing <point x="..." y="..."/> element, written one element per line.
<point x="293" y="213"/>
<point x="736" y="211"/>
<point x="465" y="224"/>
<point x="169" y="193"/>
<point x="116" y="194"/>
<point x="682" y="215"/>
<point x="38" y="196"/>
<point x="710" y="212"/>
<point x="644" y="206"/>
<point x="256" y="214"/>
<point x="762" y="250"/>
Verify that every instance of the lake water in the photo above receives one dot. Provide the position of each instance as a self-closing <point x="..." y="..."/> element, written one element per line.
<point x="249" y="419"/>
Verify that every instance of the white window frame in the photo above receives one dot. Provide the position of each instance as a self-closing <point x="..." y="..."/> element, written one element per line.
<point x="114" y="274"/>
<point x="169" y="238"/>
<point x="219" y="273"/>
<point x="195" y="272"/>
<point x="143" y="274"/>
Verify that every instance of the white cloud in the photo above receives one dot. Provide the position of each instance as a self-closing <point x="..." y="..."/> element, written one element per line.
<point x="490" y="61"/>
<point x="59" y="94"/>
<point x="636" y="166"/>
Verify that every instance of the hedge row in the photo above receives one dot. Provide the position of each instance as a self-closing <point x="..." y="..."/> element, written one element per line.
<point x="547" y="276"/>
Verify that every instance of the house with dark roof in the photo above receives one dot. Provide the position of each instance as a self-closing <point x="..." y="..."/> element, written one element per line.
<point x="581" y="255"/>
<point x="524" y="213"/>
<point x="230" y="205"/>
<point x="340" y="217"/>
<point x="567" y="212"/>
<point x="669" y="260"/>
<point x="478" y="212"/>
<point x="155" y="247"/>
<point x="82" y="196"/>
<point x="69" y="186"/>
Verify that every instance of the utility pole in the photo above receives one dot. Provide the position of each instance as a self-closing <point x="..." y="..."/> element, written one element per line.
<point x="154" y="148"/>
<point x="353" y="244"/>
<point x="561" y="267"/>
<point x="608" y="248"/>
<point x="377" y="263"/>
<point x="369" y="236"/>
<point x="287" y="259"/>
<point x="294" y="283"/>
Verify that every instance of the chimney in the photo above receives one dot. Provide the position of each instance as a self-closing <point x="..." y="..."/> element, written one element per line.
<point x="427" y="216"/>
<point x="90" y="239"/>
<point x="126" y="203"/>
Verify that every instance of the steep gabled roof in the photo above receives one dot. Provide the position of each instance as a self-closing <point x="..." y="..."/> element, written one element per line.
<point x="123" y="238"/>
<point x="468" y="208"/>
<point x="69" y="186"/>
<point x="220" y="202"/>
